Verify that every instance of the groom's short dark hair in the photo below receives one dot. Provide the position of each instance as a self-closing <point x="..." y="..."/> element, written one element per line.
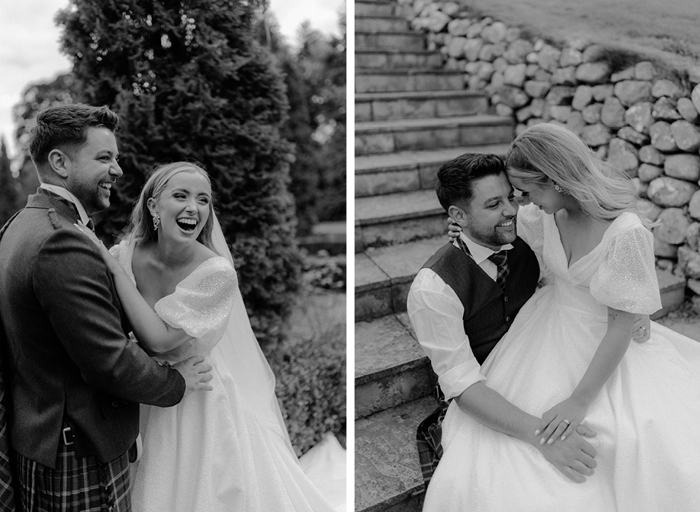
<point x="66" y="126"/>
<point x="455" y="178"/>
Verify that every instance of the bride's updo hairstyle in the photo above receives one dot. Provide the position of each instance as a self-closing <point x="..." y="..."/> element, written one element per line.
<point x="548" y="151"/>
<point x="141" y="225"/>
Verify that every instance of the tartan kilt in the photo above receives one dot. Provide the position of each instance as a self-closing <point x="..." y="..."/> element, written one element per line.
<point x="428" y="441"/>
<point x="76" y="485"/>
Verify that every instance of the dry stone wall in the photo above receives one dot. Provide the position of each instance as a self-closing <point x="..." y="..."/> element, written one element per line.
<point x="646" y="124"/>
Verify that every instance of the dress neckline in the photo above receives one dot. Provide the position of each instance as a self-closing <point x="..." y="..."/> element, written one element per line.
<point x="602" y="243"/>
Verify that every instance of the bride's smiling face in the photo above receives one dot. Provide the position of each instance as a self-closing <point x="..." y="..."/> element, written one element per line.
<point x="542" y="195"/>
<point x="184" y="206"/>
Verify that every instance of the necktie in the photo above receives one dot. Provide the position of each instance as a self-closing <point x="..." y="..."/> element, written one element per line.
<point x="501" y="261"/>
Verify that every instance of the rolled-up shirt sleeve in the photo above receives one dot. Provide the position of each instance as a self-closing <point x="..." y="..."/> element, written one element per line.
<point x="436" y="314"/>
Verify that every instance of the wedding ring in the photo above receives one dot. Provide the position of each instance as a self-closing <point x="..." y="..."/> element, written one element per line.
<point x="566" y="421"/>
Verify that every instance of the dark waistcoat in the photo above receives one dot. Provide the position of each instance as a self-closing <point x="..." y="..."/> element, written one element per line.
<point x="488" y="310"/>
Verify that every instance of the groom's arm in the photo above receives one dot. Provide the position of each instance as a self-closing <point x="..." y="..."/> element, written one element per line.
<point x="436" y="315"/>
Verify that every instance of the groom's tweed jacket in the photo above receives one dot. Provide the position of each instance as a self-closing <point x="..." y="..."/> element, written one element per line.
<point x="488" y="310"/>
<point x="488" y="314"/>
<point x="68" y="358"/>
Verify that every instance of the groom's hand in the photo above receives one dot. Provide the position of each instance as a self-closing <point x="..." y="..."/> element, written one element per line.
<point x="574" y="457"/>
<point x="196" y="374"/>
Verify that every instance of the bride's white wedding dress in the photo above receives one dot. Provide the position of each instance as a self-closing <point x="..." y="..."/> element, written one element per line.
<point x="228" y="449"/>
<point x="646" y="416"/>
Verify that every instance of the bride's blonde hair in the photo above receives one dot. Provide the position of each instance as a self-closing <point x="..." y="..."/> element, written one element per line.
<point x="548" y="151"/>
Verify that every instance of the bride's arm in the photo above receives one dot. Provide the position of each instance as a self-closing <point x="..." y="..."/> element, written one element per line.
<point x="606" y="358"/>
<point x="155" y="335"/>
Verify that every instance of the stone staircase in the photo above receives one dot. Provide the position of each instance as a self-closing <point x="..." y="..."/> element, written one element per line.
<point x="411" y="116"/>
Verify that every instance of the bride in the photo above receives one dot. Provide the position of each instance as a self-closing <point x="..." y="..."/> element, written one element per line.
<point x="567" y="356"/>
<point x="220" y="450"/>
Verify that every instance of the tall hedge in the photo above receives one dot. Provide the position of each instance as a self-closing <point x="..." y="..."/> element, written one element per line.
<point x="190" y="83"/>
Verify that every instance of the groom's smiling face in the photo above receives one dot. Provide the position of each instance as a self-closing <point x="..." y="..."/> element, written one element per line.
<point x="490" y="213"/>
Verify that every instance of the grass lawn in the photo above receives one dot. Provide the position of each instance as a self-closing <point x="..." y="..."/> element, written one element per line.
<point x="667" y="30"/>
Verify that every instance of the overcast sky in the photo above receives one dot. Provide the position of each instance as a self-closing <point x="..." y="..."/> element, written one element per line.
<point x="29" y="43"/>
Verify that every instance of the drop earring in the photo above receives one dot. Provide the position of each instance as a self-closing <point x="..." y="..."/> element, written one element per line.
<point x="560" y="190"/>
<point x="156" y="221"/>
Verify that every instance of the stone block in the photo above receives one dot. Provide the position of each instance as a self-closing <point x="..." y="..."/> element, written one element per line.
<point x="685" y="167"/>
<point x="631" y="135"/>
<point x="596" y="135"/>
<point x="593" y="72"/>
<point x="518" y="51"/>
<point x="664" y="250"/>
<point x="591" y="113"/>
<point x="674" y="224"/>
<point x="565" y="76"/>
<point x="631" y="92"/>
<point x="648" y="173"/>
<point x="536" y="89"/>
<point x="687" y="110"/>
<point x="651" y="155"/>
<point x="560" y="113"/>
<point x="665" y="87"/>
<point x="695" y="97"/>
<point x="576" y="123"/>
<point x="514" y="75"/>
<point x="671" y="192"/>
<point x="570" y="57"/>
<point x="623" y="156"/>
<point x="687" y="136"/>
<point x="692" y="234"/>
<point x="625" y="74"/>
<point x="689" y="262"/>
<point x="644" y="71"/>
<point x="694" y="207"/>
<point x="665" y="109"/>
<point x="582" y="97"/>
<point x="548" y="58"/>
<point x="639" y="117"/>
<point x="661" y="137"/>
<point x="494" y="33"/>
<point x="613" y="113"/>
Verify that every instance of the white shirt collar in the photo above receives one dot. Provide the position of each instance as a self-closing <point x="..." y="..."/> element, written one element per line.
<point x="66" y="194"/>
<point x="479" y="252"/>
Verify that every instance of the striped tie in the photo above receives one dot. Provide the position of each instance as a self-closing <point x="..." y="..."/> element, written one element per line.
<point x="501" y="261"/>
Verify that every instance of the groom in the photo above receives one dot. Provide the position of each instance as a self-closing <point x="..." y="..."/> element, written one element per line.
<point x="72" y="378"/>
<point x="465" y="299"/>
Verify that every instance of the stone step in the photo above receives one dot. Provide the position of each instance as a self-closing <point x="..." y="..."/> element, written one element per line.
<point x="384" y="106"/>
<point x="397" y="218"/>
<point x="382" y="59"/>
<point x="374" y="24"/>
<point x="408" y="170"/>
<point x="383" y="275"/>
<point x="413" y="134"/>
<point x="390" y="367"/>
<point x="406" y="40"/>
<point x="387" y="471"/>
<point x="380" y="8"/>
<point x="414" y="79"/>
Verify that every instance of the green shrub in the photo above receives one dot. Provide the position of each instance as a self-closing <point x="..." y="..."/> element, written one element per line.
<point x="311" y="388"/>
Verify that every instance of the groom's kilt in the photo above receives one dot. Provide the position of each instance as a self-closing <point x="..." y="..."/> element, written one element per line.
<point x="428" y="441"/>
<point x="77" y="484"/>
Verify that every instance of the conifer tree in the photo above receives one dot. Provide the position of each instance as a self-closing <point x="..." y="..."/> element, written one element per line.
<point x="8" y="186"/>
<point x="190" y="83"/>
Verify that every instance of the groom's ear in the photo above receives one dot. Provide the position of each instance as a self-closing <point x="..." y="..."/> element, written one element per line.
<point x="58" y="163"/>
<point x="458" y="215"/>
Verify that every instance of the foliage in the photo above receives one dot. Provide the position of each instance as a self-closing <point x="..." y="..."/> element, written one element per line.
<point x="315" y="77"/>
<point x="190" y="83"/>
<point x="311" y="388"/>
<point x="8" y="186"/>
<point x="325" y="272"/>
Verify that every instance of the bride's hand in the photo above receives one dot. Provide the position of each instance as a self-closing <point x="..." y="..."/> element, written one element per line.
<point x="453" y="229"/>
<point x="561" y="420"/>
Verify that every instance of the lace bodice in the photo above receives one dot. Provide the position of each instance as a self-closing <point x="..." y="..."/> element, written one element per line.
<point x="200" y="305"/>
<point x="619" y="272"/>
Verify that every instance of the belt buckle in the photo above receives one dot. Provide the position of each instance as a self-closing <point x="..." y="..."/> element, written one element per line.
<point x="66" y="432"/>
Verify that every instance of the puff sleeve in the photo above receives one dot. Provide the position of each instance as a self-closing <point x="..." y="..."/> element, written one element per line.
<point x="626" y="278"/>
<point x="531" y="227"/>
<point x="202" y="302"/>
